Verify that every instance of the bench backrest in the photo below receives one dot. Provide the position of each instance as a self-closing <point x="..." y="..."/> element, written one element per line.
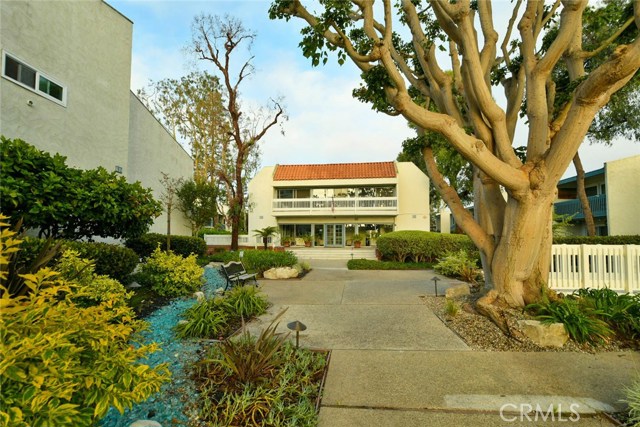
<point x="233" y="268"/>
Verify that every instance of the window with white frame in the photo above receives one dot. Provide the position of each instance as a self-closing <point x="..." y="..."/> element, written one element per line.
<point x="30" y="78"/>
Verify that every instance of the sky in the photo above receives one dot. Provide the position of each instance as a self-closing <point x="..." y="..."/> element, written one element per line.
<point x="325" y="123"/>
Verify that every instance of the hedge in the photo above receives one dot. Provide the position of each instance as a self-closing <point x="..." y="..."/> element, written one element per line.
<point x="422" y="246"/>
<point x="254" y="259"/>
<point x="597" y="240"/>
<point x="115" y="261"/>
<point x="209" y="230"/>
<point x="180" y="245"/>
<point x="369" y="264"/>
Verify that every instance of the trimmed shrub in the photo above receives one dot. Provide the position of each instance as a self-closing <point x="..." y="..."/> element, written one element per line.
<point x="115" y="261"/>
<point x="180" y="245"/>
<point x="421" y="246"/>
<point x="597" y="240"/>
<point x="64" y="364"/>
<point x="369" y="264"/>
<point x="261" y="261"/>
<point x="171" y="275"/>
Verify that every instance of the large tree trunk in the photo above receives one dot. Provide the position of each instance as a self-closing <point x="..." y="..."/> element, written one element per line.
<point x="521" y="259"/>
<point x="582" y="195"/>
<point x="520" y="264"/>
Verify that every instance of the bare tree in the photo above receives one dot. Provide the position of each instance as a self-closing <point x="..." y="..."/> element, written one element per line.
<point x="218" y="41"/>
<point x="405" y="77"/>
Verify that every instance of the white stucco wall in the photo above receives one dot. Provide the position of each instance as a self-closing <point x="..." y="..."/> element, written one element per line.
<point x="152" y="150"/>
<point x="260" y="200"/>
<point x="413" y="198"/>
<point x="86" y="47"/>
<point x="623" y="195"/>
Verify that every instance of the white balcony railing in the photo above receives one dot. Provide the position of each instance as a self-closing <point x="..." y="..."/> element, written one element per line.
<point x="337" y="205"/>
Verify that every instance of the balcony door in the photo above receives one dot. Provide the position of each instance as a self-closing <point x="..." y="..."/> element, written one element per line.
<point x="334" y="235"/>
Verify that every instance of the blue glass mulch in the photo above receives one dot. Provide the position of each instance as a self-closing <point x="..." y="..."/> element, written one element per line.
<point x="167" y="406"/>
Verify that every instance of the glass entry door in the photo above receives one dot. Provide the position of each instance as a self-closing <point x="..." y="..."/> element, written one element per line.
<point x="334" y="235"/>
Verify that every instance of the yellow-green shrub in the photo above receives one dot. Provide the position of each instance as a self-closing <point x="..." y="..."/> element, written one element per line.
<point x="62" y="364"/>
<point x="171" y="275"/>
<point x="92" y="288"/>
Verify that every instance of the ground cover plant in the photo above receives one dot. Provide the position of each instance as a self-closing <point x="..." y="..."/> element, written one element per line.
<point x="221" y="316"/>
<point x="593" y="315"/>
<point x="259" y="381"/>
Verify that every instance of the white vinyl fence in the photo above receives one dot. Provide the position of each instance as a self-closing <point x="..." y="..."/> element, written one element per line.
<point x="616" y="267"/>
<point x="225" y="240"/>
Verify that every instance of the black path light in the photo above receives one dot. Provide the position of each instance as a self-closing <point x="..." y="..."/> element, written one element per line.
<point x="297" y="326"/>
<point x="435" y="283"/>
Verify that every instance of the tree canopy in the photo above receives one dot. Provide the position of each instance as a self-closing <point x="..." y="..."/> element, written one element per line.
<point x="396" y="47"/>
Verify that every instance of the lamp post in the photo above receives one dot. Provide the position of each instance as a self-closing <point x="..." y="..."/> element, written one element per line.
<point x="297" y="326"/>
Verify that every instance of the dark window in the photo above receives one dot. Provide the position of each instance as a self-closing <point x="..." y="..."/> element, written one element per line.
<point x="591" y="191"/>
<point x="50" y="88"/>
<point x="22" y="73"/>
<point x="19" y="72"/>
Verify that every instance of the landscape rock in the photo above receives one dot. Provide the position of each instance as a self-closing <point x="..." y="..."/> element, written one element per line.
<point x="457" y="291"/>
<point x="145" y="423"/>
<point x="198" y="295"/>
<point x="280" y="273"/>
<point x="133" y="285"/>
<point x="544" y="335"/>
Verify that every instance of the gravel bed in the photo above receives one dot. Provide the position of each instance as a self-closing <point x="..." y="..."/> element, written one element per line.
<point x="168" y="406"/>
<point x="480" y="333"/>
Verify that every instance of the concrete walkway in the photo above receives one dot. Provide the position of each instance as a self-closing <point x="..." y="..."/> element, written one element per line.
<point x="394" y="363"/>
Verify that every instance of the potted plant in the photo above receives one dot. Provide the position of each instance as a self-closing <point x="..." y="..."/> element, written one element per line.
<point x="286" y="241"/>
<point x="307" y="240"/>
<point x="357" y="240"/>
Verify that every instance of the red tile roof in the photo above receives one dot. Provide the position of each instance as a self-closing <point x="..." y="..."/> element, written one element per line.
<point x="335" y="171"/>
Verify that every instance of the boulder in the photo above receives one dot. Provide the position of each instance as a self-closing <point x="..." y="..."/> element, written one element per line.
<point x="544" y="335"/>
<point x="280" y="273"/>
<point x="198" y="295"/>
<point x="145" y="423"/>
<point x="457" y="291"/>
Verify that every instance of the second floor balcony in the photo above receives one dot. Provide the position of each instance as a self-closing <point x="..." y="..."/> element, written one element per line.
<point x="598" y="206"/>
<point x="336" y="206"/>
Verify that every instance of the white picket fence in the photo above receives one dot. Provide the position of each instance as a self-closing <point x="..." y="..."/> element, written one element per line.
<point x="616" y="267"/>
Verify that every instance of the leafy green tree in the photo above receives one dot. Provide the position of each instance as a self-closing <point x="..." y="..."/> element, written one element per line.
<point x="197" y="200"/>
<point x="402" y="76"/>
<point x="193" y="110"/>
<point x="217" y="41"/>
<point x="606" y="26"/>
<point x="64" y="202"/>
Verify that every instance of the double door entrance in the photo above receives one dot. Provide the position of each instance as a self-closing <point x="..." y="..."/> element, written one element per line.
<point x="334" y="235"/>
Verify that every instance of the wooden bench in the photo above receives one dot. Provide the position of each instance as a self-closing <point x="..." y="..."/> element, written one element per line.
<point x="236" y="274"/>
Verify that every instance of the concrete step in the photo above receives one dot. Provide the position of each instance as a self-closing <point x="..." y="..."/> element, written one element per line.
<point x="334" y="253"/>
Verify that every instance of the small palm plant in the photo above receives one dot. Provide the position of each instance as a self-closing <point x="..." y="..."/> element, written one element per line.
<point x="265" y="233"/>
